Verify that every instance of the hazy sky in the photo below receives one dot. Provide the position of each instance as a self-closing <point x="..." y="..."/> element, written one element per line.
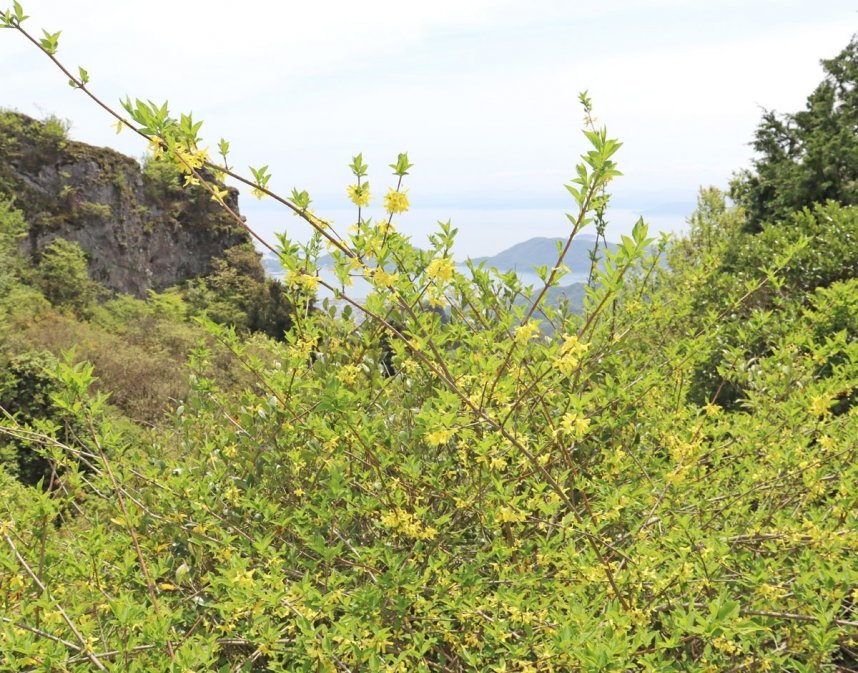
<point x="481" y="93"/>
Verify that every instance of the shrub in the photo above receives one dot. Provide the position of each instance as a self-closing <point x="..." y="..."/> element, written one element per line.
<point x="55" y="131"/>
<point x="160" y="178"/>
<point x="238" y="294"/>
<point x="829" y="252"/>
<point x="63" y="276"/>
<point x="26" y="387"/>
<point x="12" y="229"/>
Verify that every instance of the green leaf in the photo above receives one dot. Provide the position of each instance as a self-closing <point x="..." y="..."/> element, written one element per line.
<point x="50" y="41"/>
<point x="84" y="75"/>
<point x="301" y="199"/>
<point x="401" y="166"/>
<point x="19" y="12"/>
<point x="359" y="168"/>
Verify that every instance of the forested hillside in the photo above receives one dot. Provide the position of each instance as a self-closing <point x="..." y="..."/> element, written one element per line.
<point x="666" y="483"/>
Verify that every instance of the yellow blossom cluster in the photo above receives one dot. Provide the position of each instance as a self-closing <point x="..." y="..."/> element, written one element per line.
<point x="359" y="194"/>
<point x="396" y="202"/>
<point x="570" y="354"/>
<point x="574" y="424"/>
<point x="302" y="348"/>
<point x="188" y="160"/>
<point x="348" y="374"/>
<point x="526" y="332"/>
<point x="218" y="194"/>
<point x="439" y="436"/>
<point x="302" y="279"/>
<point x="382" y="278"/>
<point x="232" y="494"/>
<point x="819" y="405"/>
<point x="436" y="298"/>
<point x="407" y="524"/>
<point x="507" y="514"/>
<point x="440" y="270"/>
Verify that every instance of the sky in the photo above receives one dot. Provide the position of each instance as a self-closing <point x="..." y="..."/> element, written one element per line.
<point x="482" y="94"/>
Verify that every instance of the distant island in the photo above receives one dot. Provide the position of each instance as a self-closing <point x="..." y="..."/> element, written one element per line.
<point x="523" y="258"/>
<point x="541" y="251"/>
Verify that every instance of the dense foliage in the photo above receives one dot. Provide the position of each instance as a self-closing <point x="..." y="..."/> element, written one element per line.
<point x="495" y="499"/>
<point x="807" y="157"/>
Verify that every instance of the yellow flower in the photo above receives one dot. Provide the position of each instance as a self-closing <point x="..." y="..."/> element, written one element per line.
<point x="382" y="278"/>
<point x="245" y="579"/>
<point x="395" y="202"/>
<point x="231" y="494"/>
<point x="305" y="280"/>
<point x="574" y="424"/>
<point x="219" y="194"/>
<point x="440" y="269"/>
<point x="526" y="332"/>
<point x="440" y="436"/>
<point x="436" y="298"/>
<point x="567" y="363"/>
<point x="571" y="345"/>
<point x="507" y="514"/>
<point x="407" y="524"/>
<point x="359" y="194"/>
<point x="156" y="147"/>
<point x="819" y="405"/>
<point x="711" y="409"/>
<point x="348" y="374"/>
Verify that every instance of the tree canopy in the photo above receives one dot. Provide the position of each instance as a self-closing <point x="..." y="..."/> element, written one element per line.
<point x="806" y="157"/>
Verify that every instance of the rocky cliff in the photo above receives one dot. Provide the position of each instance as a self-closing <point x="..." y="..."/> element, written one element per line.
<point x="139" y="228"/>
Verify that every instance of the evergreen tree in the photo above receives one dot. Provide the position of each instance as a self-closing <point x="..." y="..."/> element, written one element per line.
<point x="807" y="157"/>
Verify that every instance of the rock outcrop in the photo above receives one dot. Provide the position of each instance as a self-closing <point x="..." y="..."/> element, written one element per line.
<point x="139" y="228"/>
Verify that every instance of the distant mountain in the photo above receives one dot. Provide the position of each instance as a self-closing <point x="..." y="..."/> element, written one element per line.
<point x="271" y="263"/>
<point x="574" y="294"/>
<point x="543" y="252"/>
<point x="522" y="257"/>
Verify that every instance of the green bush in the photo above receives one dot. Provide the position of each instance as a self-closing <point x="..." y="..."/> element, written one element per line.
<point x="63" y="277"/>
<point x="160" y="178"/>
<point x="99" y="211"/>
<point x="26" y="389"/>
<point x="237" y="293"/>
<point x="829" y="255"/>
<point x="12" y="229"/>
<point x="55" y="131"/>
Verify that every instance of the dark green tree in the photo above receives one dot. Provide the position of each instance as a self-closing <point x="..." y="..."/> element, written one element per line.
<point x="807" y="157"/>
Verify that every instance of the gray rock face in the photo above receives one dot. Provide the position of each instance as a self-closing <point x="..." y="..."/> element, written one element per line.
<point x="139" y="229"/>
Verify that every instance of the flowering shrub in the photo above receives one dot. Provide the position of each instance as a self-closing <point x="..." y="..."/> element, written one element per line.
<point x="506" y="501"/>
